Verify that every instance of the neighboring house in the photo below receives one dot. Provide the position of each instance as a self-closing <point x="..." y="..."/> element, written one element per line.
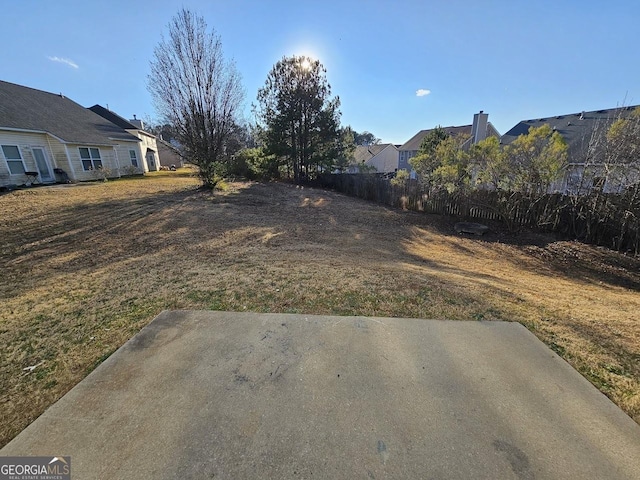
<point x="169" y="154"/>
<point x="480" y="129"/>
<point x="383" y="157"/>
<point x="579" y="130"/>
<point x="46" y="137"/>
<point x="146" y="158"/>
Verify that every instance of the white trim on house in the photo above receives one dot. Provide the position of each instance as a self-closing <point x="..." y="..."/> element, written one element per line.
<point x="57" y="155"/>
<point x="91" y="158"/>
<point x="54" y="164"/>
<point x="7" y="160"/>
<point x="134" y="157"/>
<point x="92" y="144"/>
<point x="52" y="176"/>
<point x="152" y="159"/>
<point x="119" y="140"/>
<point x="384" y="161"/>
<point x="147" y="134"/>
<point x="108" y="145"/>
<point x="115" y="154"/>
<point x="22" y="130"/>
<point x="73" y="170"/>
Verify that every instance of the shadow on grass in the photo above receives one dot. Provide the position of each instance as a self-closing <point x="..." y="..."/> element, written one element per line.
<point x="161" y="222"/>
<point x="278" y="222"/>
<point x="571" y="259"/>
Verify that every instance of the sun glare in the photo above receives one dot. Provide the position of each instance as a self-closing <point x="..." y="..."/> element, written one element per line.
<point x="310" y="53"/>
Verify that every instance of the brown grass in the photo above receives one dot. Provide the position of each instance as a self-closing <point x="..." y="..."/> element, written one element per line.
<point x="85" y="267"/>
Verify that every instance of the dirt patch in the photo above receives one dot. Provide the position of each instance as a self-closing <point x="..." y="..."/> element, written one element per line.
<point x="85" y="268"/>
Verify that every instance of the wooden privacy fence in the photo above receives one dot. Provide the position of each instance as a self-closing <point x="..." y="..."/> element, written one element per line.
<point x="604" y="219"/>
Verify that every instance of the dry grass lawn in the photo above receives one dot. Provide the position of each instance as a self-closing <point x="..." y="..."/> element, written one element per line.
<point x="84" y="267"/>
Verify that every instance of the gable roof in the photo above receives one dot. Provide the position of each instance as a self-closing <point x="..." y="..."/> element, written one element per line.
<point x="113" y="117"/>
<point x="118" y="120"/>
<point x="575" y="128"/>
<point x="24" y="108"/>
<point x="363" y="153"/>
<point x="413" y="144"/>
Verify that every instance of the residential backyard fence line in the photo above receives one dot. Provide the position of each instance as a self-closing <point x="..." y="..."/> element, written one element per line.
<point x="611" y="220"/>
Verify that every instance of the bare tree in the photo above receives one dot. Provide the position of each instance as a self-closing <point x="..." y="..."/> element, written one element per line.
<point x="198" y="92"/>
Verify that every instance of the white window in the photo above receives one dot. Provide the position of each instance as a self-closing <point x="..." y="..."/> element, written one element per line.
<point x="14" y="159"/>
<point x="134" y="158"/>
<point x="90" y="158"/>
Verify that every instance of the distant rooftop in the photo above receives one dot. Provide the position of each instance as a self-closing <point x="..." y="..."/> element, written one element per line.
<point x="414" y="143"/>
<point x="576" y="128"/>
<point x="366" y="152"/>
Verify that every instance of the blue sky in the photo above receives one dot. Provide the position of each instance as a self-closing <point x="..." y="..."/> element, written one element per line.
<point x="513" y="59"/>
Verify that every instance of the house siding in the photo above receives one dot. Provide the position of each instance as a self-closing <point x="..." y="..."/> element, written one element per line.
<point x="405" y="155"/>
<point x="386" y="161"/>
<point x="107" y="155"/>
<point x="64" y="156"/>
<point x="25" y="142"/>
<point x="581" y="180"/>
<point x="59" y="153"/>
<point x="147" y="142"/>
<point x="124" y="158"/>
<point x="168" y="156"/>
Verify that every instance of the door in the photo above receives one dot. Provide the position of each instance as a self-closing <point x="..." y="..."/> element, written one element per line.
<point x="151" y="160"/>
<point x="42" y="164"/>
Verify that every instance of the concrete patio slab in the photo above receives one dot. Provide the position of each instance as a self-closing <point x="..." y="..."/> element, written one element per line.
<point x="241" y="395"/>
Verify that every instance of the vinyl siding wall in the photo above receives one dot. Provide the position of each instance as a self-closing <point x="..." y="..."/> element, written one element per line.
<point x="405" y="156"/>
<point x="124" y="158"/>
<point x="580" y="180"/>
<point x="147" y="142"/>
<point x="60" y="158"/>
<point x="386" y="161"/>
<point x="66" y="157"/>
<point x="25" y="142"/>
<point x="107" y="156"/>
<point x="168" y="156"/>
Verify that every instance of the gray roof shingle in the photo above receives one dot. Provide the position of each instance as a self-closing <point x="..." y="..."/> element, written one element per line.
<point x="575" y="128"/>
<point x="25" y="108"/>
<point x="113" y="117"/>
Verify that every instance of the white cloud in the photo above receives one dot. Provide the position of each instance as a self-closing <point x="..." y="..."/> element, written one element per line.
<point x="423" y="92"/>
<point x="66" y="61"/>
